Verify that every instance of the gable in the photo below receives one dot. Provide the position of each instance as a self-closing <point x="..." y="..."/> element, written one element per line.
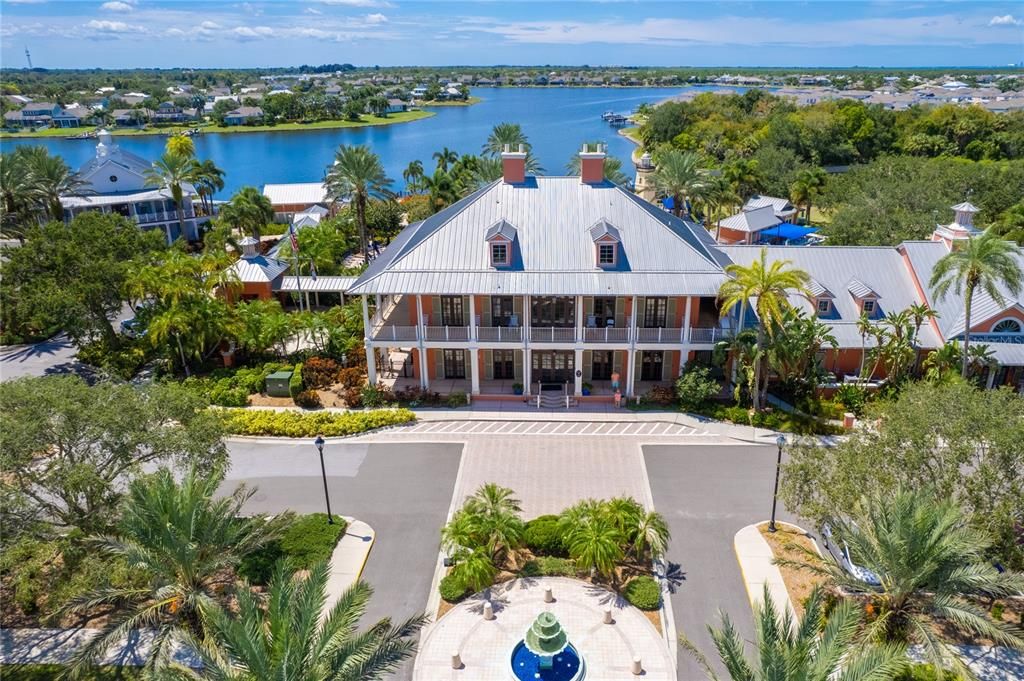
<point x="100" y="177"/>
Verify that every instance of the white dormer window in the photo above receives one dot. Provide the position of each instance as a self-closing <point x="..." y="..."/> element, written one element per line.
<point x="869" y="307"/>
<point x="606" y="243"/>
<point x="499" y="254"/>
<point x="606" y="254"/>
<point x="824" y="306"/>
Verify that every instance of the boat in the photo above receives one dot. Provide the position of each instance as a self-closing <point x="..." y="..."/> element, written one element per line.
<point x="81" y="136"/>
<point x="608" y="115"/>
<point x="617" y="120"/>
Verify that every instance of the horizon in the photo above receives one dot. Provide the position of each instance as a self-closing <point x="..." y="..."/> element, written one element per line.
<point x="182" y="34"/>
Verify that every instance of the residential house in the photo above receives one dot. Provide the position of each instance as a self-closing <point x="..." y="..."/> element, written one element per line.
<point x="296" y="197"/>
<point x="33" y="114"/>
<point x="397" y="105"/>
<point x="126" y="118"/>
<point x="243" y="115"/>
<point x="169" y="112"/>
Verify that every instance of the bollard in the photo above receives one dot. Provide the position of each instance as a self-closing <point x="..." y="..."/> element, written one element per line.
<point x="548" y="596"/>
<point x="638" y="668"/>
<point x="488" y="611"/>
<point x="607" y="615"/>
<point x="456" y="660"/>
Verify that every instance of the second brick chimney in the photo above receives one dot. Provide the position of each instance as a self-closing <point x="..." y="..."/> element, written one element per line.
<point x="513" y="165"/>
<point x="592" y="163"/>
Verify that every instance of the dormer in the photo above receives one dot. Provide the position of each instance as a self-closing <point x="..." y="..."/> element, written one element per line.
<point x="500" y="239"/>
<point x="865" y="296"/>
<point x="822" y="299"/>
<point x="607" y="244"/>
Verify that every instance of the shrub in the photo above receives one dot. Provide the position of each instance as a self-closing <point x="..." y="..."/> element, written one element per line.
<point x="124" y="362"/>
<point x="543" y="537"/>
<point x="295" y="382"/>
<point x="306" y="542"/>
<point x="695" y="387"/>
<point x="320" y="372"/>
<point x="853" y="397"/>
<point x="416" y="397"/>
<point x="308" y="399"/>
<point x="351" y="377"/>
<point x="456" y="399"/>
<point x="300" y="424"/>
<point x="924" y="672"/>
<point x="643" y="592"/>
<point x="452" y="589"/>
<point x="374" y="396"/>
<point x="549" y="566"/>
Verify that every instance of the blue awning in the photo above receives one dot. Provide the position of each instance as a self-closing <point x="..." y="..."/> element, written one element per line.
<point x="787" y="230"/>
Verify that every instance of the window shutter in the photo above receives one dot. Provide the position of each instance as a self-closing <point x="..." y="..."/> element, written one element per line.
<point x="466" y="321"/>
<point x="620" y="312"/>
<point x="485" y="310"/>
<point x="439" y="363"/>
<point x="517" y="366"/>
<point x="670" y="314"/>
<point x="617" y="356"/>
<point x="488" y="365"/>
<point x="666" y="365"/>
<point x="588" y="361"/>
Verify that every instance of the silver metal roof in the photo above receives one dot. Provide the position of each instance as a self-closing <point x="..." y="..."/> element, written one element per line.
<point x="1007" y="354"/>
<point x="501" y="228"/>
<point x="859" y="289"/>
<point x="752" y="220"/>
<point x="782" y="207"/>
<point x="296" y="193"/>
<point x="604" y="228"/>
<point x="322" y="284"/>
<point x="258" y="269"/>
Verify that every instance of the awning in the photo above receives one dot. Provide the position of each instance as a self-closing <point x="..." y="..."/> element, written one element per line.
<point x="787" y="230"/>
<point x="322" y="284"/>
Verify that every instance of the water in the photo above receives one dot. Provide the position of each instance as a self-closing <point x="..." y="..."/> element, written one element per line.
<point x="556" y="121"/>
<point x="526" y="665"/>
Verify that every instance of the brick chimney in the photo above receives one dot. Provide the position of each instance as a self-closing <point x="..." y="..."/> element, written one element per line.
<point x="592" y="164"/>
<point x="513" y="165"/>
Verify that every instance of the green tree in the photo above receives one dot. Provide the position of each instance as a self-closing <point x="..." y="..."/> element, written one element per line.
<point x="985" y="262"/>
<point x="248" y="211"/>
<point x="357" y="175"/>
<point x="181" y="145"/>
<point x="171" y="172"/>
<point x="512" y="135"/>
<point x="929" y="562"/>
<point x="51" y="178"/>
<point x="744" y="176"/>
<point x="819" y="647"/>
<point x="678" y="174"/>
<point x="188" y="542"/>
<point x="17" y="188"/>
<point x="94" y="439"/>
<point x="594" y="541"/>
<point x="208" y="180"/>
<point x="612" y="166"/>
<point x="262" y="325"/>
<point x="327" y="243"/>
<point x="808" y="184"/>
<point x="770" y="284"/>
<point x="412" y="175"/>
<point x="384" y="218"/>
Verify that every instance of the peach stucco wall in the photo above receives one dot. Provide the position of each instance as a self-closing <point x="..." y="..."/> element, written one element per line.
<point x="986" y="325"/>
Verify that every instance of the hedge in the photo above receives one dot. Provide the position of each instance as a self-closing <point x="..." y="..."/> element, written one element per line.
<point x="308" y="541"/>
<point x="295" y="382"/>
<point x="310" y="424"/>
<point x="549" y="566"/>
<point x="543" y="536"/>
<point x="643" y="592"/>
<point x="452" y="589"/>
<point x="48" y="672"/>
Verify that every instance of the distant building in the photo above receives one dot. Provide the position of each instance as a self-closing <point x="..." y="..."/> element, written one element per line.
<point x="243" y="115"/>
<point x="296" y="197"/>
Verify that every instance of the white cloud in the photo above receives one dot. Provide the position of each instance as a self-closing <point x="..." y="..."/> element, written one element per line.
<point x="209" y="25"/>
<point x="358" y="3"/>
<point x="312" y="10"/>
<point x="250" y="8"/>
<point x="1006" y="20"/>
<point x="252" y="32"/>
<point x="116" y="6"/>
<point x="104" y="26"/>
<point x="376" y="18"/>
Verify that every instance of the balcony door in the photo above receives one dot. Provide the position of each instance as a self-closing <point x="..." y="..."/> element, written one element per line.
<point x="451" y="311"/>
<point x="601" y="368"/>
<point x="651" y="363"/>
<point x="655" y="313"/>
<point x="502" y="311"/>
<point x="559" y="311"/>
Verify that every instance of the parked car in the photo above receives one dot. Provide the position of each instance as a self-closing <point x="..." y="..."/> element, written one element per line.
<point x="843" y="557"/>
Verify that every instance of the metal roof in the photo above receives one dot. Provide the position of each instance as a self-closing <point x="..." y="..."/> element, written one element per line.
<point x="752" y="220"/>
<point x="258" y="269"/>
<point x="321" y="284"/>
<point x="782" y="207"/>
<point x="859" y="289"/>
<point x="966" y="207"/>
<point x="1007" y="354"/>
<point x="501" y="228"/>
<point x="93" y="200"/>
<point x="296" y="192"/>
<point x="604" y="228"/>
<point x="817" y="290"/>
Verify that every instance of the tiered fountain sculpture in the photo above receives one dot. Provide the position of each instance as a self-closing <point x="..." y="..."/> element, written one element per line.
<point x="545" y="653"/>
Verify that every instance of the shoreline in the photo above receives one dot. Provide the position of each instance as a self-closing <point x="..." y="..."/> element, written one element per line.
<point x="467" y="102"/>
<point x="370" y="121"/>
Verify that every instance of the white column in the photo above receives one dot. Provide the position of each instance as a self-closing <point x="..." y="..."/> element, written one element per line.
<point x="527" y="370"/>
<point x="578" y="372"/>
<point x="367" y="329"/>
<point x="424" y="377"/>
<point x="630" y="370"/>
<point x="632" y="322"/>
<point x="371" y="356"/>
<point x="474" y="370"/>
<point x="378" y="311"/>
<point x="527" y="355"/>
<point x="685" y="352"/>
<point x="579" y="319"/>
<point x="472" y="317"/>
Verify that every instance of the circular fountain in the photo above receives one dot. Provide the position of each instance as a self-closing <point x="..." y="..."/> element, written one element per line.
<point x="545" y="653"/>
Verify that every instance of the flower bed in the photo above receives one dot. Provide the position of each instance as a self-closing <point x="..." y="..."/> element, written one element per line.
<point x="300" y="424"/>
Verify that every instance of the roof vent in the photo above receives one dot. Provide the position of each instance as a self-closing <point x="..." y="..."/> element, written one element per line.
<point x="250" y="247"/>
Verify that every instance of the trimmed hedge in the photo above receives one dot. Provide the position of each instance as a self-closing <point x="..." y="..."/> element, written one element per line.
<point x="306" y="424"/>
<point x="543" y="536"/>
<point x="452" y="589"/>
<point x="48" y="672"/>
<point x="549" y="566"/>
<point x="295" y="382"/>
<point x="643" y="592"/>
<point x="925" y="672"/>
<point x="308" y="541"/>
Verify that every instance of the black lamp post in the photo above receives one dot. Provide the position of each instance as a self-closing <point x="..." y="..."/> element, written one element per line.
<point x="780" y="441"/>
<point x="319" y="442"/>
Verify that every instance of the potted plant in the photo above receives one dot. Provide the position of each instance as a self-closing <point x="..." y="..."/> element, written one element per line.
<point x="587" y="388"/>
<point x="517" y="388"/>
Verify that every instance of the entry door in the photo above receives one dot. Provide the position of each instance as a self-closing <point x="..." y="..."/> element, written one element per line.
<point x="602" y="367"/>
<point x="650" y="365"/>
<point x="504" y="364"/>
<point x="454" y="364"/>
<point x="553" y="367"/>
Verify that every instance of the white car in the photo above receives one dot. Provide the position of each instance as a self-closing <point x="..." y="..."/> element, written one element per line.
<point x="842" y="555"/>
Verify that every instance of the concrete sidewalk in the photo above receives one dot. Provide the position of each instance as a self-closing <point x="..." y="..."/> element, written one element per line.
<point x="755" y="558"/>
<point x="349" y="559"/>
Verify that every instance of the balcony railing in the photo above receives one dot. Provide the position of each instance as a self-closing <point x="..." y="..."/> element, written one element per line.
<point x="704" y="336"/>
<point x="500" y="334"/>
<point x="395" y="333"/>
<point x="549" y="334"/>
<point x="659" y="335"/>
<point x="607" y="334"/>
<point x="162" y="216"/>
<point x="552" y="334"/>
<point x="446" y="333"/>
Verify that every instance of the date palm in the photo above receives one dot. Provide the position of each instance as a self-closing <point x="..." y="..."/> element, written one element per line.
<point x="17" y="187"/>
<point x="818" y="648"/>
<point x="187" y="541"/>
<point x="171" y="172"/>
<point x="357" y="174"/>
<point x="51" y="178"/>
<point x="679" y="174"/>
<point x="596" y="544"/>
<point x="807" y="187"/>
<point x="744" y="176"/>
<point x="248" y="211"/>
<point x="289" y="640"/>
<point x="985" y="262"/>
<point x="770" y="284"/>
<point x="181" y="145"/>
<point x="931" y="565"/>
<point x="445" y="158"/>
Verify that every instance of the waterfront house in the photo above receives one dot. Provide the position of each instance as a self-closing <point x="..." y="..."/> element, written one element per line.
<point x="295" y="197"/>
<point x="116" y="183"/>
<point x="33" y="114"/>
<point x="126" y="118"/>
<point x="243" y="115"/>
<point x="169" y="112"/>
<point x="556" y="282"/>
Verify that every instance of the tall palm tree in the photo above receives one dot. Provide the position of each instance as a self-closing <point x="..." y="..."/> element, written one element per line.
<point x="17" y="189"/>
<point x="678" y="174"/>
<point x="818" y="648"/>
<point x="929" y="562"/>
<point x="413" y="174"/>
<point x="248" y="211"/>
<point x="50" y="179"/>
<point x="612" y="166"/>
<point x="770" y="284"/>
<point x="181" y="145"/>
<point x="715" y="202"/>
<point x="288" y="639"/>
<point x="744" y="177"/>
<point x="357" y="175"/>
<point x="807" y="187"/>
<point x="986" y="262"/>
<point x="170" y="172"/>
<point x="445" y="158"/>
<point x="865" y="328"/>
<point x="208" y="180"/>
<point x="187" y="541"/>
<point x="920" y="313"/>
<point x="512" y="136"/>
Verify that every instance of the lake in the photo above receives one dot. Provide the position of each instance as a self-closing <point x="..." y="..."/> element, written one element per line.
<point x="556" y="121"/>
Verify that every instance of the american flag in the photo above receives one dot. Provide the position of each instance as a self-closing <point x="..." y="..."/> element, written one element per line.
<point x="294" y="238"/>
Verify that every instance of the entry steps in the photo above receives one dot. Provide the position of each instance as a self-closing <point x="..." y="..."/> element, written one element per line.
<point x="550" y="400"/>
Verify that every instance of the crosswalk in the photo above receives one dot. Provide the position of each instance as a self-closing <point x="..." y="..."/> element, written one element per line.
<point x="551" y="428"/>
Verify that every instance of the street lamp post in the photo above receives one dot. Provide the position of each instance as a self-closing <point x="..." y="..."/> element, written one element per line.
<point x="780" y="441"/>
<point x="319" y="442"/>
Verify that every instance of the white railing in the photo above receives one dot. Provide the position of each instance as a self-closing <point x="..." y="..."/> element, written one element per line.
<point x="163" y="216"/>
<point x="607" y="334"/>
<point x="659" y="335"/>
<point x="395" y="333"/>
<point x="552" y="334"/>
<point x="500" y="334"/>
<point x="446" y="333"/>
<point x="708" y="335"/>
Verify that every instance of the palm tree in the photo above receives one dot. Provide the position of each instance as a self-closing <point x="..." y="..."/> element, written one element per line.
<point x="287" y="638"/>
<point x="986" y="262"/>
<point x="596" y="545"/>
<point x="171" y="171"/>
<point x="208" y="180"/>
<point x="413" y="174"/>
<point x="181" y="145"/>
<point x="512" y="136"/>
<point x="865" y="328"/>
<point x="716" y="199"/>
<point x="744" y="176"/>
<point x="442" y="189"/>
<point x="930" y="564"/>
<point x="248" y="211"/>
<point x="487" y="170"/>
<point x="17" y="189"/>
<point x="50" y="179"/>
<point x="444" y="158"/>
<point x="818" y="648"/>
<point x="187" y="541"/>
<point x="678" y="174"/>
<point x="920" y="313"/>
<point x="379" y="105"/>
<point x="941" y="362"/>
<point x="807" y="187"/>
<point x="650" y="533"/>
<point x="612" y="166"/>
<point x="357" y="175"/>
<point x="770" y="284"/>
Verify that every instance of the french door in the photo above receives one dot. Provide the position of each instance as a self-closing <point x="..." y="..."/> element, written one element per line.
<point x="451" y="311"/>
<point x="552" y="366"/>
<point x="504" y="364"/>
<point x="454" y="363"/>
<point x="602" y="365"/>
<point x="651" y="363"/>
<point x="502" y="311"/>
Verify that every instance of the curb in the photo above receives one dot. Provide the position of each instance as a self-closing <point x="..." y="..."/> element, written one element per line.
<point x="348" y="560"/>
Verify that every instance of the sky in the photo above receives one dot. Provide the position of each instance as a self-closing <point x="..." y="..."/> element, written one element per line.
<point x="213" y="33"/>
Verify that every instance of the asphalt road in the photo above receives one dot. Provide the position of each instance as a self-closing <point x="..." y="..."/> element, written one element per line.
<point x="53" y="356"/>
<point x="402" y="490"/>
<point x="707" y="493"/>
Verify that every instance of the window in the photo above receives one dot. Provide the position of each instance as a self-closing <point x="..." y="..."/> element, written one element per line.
<point x="559" y="311"/>
<point x="451" y="311"/>
<point x="454" y="364"/>
<point x="655" y="312"/>
<point x="499" y="254"/>
<point x="606" y="254"/>
<point x="504" y="364"/>
<point x="824" y="306"/>
<point x="651" y="364"/>
<point x="869" y="307"/>
<point x="604" y="311"/>
<point x="502" y="311"/>
<point x="1007" y="326"/>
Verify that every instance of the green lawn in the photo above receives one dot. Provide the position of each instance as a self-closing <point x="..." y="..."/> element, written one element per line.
<point x="366" y="120"/>
<point x="466" y="102"/>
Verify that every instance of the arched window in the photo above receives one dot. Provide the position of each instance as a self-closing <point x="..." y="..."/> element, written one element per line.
<point x="1007" y="326"/>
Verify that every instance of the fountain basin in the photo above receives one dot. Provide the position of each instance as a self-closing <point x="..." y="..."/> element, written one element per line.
<point x="566" y="665"/>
